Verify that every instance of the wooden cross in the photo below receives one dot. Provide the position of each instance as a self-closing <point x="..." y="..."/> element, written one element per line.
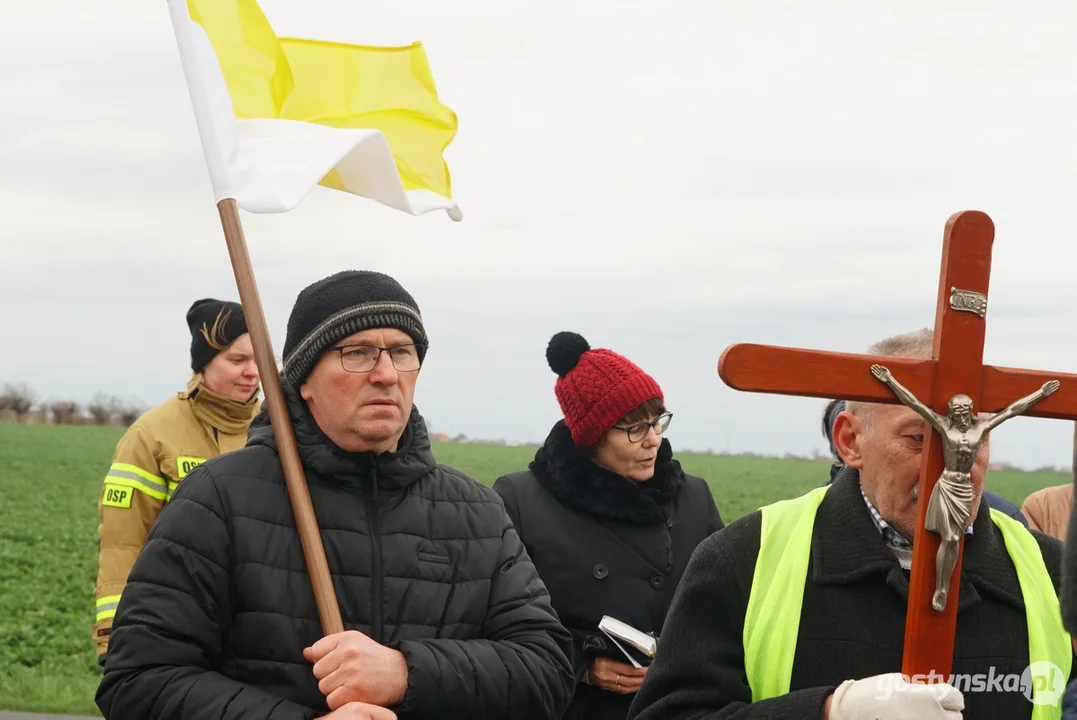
<point x="956" y="368"/>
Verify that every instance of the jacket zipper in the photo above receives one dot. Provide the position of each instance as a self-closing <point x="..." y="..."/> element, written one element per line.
<point x="375" y="548"/>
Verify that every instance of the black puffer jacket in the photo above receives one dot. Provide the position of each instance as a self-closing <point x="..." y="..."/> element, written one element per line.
<point x="605" y="545"/>
<point x="218" y="608"/>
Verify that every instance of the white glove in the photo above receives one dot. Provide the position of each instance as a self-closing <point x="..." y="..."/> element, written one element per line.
<point x="892" y="697"/>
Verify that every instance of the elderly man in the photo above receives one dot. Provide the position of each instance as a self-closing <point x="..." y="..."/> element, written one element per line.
<point x="836" y="407"/>
<point x="445" y="614"/>
<point x="798" y="610"/>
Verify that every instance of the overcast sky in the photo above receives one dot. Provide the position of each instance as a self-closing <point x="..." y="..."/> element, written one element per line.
<point x="664" y="181"/>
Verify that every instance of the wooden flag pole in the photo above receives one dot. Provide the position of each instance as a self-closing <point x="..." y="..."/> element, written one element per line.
<point x="305" y="519"/>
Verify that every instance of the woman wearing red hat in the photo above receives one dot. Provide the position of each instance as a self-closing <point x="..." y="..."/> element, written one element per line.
<point x="608" y="516"/>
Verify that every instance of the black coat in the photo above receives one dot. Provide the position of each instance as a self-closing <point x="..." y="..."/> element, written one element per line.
<point x="852" y="619"/>
<point x="218" y="607"/>
<point x="604" y="545"/>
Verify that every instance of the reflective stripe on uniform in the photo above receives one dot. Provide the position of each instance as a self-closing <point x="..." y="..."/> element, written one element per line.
<point x="106" y="607"/>
<point x="135" y="477"/>
<point x="171" y="488"/>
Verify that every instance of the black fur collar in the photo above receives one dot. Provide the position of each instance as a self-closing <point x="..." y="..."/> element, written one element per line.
<point x="571" y="477"/>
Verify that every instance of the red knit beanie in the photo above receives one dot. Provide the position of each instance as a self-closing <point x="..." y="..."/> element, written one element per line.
<point x="595" y="388"/>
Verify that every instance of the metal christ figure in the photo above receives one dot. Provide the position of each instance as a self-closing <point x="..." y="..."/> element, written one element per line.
<point x="961" y="433"/>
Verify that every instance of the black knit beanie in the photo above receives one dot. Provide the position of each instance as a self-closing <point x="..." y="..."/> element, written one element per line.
<point x="341" y="305"/>
<point x="202" y="316"/>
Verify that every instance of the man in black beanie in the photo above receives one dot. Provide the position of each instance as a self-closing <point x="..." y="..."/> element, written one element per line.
<point x="445" y="614"/>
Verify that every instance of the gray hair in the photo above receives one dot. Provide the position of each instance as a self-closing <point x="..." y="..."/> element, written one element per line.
<point x="916" y="345"/>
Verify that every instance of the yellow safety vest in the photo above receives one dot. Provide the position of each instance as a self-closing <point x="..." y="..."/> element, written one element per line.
<point x="772" y="619"/>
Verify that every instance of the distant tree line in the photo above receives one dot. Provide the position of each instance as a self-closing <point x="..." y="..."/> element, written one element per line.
<point x="18" y="403"/>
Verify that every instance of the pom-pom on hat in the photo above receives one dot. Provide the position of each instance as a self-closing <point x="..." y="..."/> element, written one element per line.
<point x="595" y="388"/>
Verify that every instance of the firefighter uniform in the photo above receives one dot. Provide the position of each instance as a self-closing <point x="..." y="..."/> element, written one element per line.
<point x="152" y="458"/>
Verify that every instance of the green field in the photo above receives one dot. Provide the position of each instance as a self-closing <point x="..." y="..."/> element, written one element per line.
<point x="50" y="478"/>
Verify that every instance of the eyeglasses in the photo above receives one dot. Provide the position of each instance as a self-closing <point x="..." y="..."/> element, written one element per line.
<point x="636" y="433"/>
<point x="364" y="358"/>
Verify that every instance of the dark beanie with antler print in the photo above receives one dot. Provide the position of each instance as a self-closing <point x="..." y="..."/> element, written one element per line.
<point x="220" y="320"/>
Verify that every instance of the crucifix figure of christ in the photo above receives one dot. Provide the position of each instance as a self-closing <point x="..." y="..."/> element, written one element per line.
<point x="949" y="508"/>
<point x="956" y="386"/>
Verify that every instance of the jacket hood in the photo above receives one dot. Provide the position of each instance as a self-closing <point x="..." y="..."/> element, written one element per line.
<point x="576" y="481"/>
<point x="412" y="460"/>
<point x="219" y="411"/>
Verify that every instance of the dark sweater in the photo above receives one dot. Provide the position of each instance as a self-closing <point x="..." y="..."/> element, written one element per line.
<point x="852" y="619"/>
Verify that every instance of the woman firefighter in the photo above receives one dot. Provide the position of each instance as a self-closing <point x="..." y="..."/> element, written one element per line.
<point x="209" y="418"/>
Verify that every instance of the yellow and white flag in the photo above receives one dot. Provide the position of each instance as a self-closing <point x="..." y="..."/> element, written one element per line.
<point x="278" y="116"/>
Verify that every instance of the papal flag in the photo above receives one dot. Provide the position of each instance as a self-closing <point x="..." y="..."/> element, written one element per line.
<point x="278" y="116"/>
